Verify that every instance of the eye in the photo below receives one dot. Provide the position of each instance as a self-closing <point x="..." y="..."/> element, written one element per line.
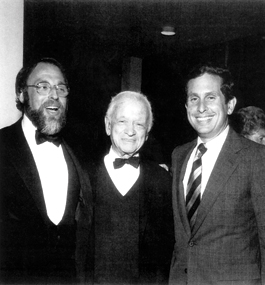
<point x="43" y="86"/>
<point x="62" y="88"/>
<point x="211" y="97"/>
<point x="193" y="99"/>
<point x="121" y="121"/>
<point x="141" y="126"/>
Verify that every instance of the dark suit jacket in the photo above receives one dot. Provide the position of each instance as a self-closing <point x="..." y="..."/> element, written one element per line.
<point x="32" y="248"/>
<point x="227" y="244"/>
<point x="156" y="231"/>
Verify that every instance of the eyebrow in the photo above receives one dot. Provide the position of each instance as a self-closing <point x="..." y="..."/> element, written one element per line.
<point x="45" y="81"/>
<point x="207" y="93"/>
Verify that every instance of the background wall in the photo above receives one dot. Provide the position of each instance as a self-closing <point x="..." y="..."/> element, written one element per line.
<point x="11" y="57"/>
<point x="99" y="41"/>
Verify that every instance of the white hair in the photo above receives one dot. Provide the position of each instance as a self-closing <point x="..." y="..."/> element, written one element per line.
<point x="122" y="96"/>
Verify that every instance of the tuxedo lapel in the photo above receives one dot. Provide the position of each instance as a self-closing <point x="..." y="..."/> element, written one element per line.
<point x="223" y="169"/>
<point x="73" y="185"/>
<point x="24" y="163"/>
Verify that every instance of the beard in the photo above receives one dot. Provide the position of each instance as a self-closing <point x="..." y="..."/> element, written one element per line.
<point x="47" y="124"/>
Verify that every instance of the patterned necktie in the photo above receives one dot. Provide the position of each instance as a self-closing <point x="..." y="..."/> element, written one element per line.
<point x="194" y="185"/>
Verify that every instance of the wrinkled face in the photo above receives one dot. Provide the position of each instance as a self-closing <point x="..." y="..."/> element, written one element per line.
<point x="48" y="113"/>
<point x="128" y="127"/>
<point x="206" y="108"/>
<point x="258" y="136"/>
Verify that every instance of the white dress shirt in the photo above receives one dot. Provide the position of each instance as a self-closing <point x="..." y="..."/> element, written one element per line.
<point x="53" y="172"/>
<point x="208" y="159"/>
<point x="124" y="177"/>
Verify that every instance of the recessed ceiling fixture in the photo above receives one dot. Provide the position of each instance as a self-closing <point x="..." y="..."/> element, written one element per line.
<point x="168" y="31"/>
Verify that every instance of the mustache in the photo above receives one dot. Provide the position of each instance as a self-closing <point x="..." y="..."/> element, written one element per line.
<point x="47" y="125"/>
<point x="52" y="103"/>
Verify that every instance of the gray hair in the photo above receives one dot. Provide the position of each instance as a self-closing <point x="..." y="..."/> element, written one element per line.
<point x="122" y="96"/>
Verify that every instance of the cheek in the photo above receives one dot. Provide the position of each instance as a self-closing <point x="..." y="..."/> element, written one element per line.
<point x="142" y="137"/>
<point x="35" y="102"/>
<point x="190" y="110"/>
<point x="190" y="115"/>
<point x="64" y="102"/>
<point x="116" y="132"/>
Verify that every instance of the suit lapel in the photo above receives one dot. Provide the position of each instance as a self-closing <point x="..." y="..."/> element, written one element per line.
<point x="24" y="163"/>
<point x="178" y="194"/>
<point x="223" y="169"/>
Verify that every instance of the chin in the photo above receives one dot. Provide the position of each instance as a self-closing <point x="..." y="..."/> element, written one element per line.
<point x="128" y="151"/>
<point x="47" y="124"/>
<point x="52" y="128"/>
<point x="53" y="125"/>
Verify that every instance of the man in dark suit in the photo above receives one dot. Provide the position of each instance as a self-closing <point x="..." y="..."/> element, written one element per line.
<point x="44" y="194"/>
<point x="134" y="232"/>
<point x="219" y="223"/>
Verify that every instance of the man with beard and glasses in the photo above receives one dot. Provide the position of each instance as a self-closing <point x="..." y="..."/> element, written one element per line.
<point x="45" y="197"/>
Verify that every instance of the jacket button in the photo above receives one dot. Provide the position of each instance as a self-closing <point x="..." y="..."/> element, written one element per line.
<point x="191" y="243"/>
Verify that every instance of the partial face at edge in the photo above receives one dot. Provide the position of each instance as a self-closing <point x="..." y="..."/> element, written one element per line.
<point x="258" y="136"/>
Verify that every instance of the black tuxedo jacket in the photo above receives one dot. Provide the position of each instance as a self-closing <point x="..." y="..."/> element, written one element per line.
<point x="32" y="248"/>
<point x="156" y="230"/>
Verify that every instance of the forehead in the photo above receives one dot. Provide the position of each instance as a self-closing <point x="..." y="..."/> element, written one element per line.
<point x="204" y="83"/>
<point x="131" y="107"/>
<point x="46" y="71"/>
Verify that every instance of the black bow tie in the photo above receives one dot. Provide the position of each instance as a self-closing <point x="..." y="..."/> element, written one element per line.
<point x="41" y="138"/>
<point x="119" y="162"/>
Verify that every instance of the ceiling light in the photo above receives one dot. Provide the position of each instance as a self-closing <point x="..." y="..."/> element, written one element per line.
<point x="168" y="31"/>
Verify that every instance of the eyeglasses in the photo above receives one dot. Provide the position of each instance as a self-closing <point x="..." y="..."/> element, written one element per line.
<point x="45" y="89"/>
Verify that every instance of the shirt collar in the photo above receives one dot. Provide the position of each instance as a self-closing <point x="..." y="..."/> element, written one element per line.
<point x="219" y="140"/>
<point x="112" y="154"/>
<point x="29" y="129"/>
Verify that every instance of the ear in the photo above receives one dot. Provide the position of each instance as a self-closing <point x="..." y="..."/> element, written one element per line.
<point x="20" y="96"/>
<point x="146" y="136"/>
<point x="107" y="126"/>
<point x="231" y="105"/>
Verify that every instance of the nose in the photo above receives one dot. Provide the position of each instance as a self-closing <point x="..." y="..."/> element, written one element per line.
<point x="202" y="107"/>
<point x="130" y="130"/>
<point x="53" y="93"/>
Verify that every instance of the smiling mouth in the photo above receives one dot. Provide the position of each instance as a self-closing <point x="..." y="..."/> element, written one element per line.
<point x="204" y="119"/>
<point x="128" y="141"/>
<point x="52" y="108"/>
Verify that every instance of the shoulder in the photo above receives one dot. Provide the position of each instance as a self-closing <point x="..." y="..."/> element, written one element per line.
<point x="154" y="170"/>
<point x="156" y="184"/>
<point x="240" y="144"/>
<point x="253" y="150"/>
<point x="10" y="130"/>
<point x="11" y="136"/>
<point x="183" y="149"/>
